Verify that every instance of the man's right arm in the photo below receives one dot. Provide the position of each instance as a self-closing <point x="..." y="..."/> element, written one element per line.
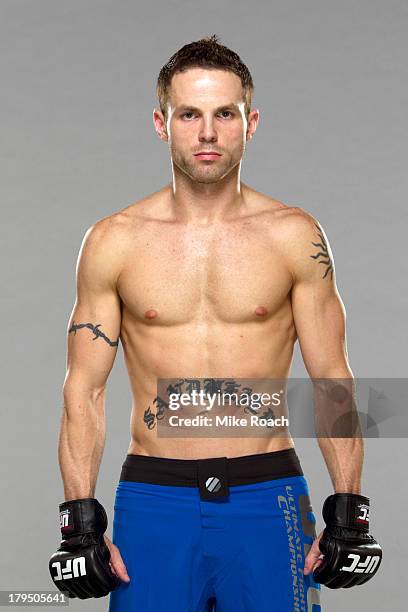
<point x="93" y="334"/>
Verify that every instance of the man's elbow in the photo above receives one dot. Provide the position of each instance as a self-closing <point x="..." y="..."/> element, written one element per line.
<point x="333" y="372"/>
<point x="81" y="399"/>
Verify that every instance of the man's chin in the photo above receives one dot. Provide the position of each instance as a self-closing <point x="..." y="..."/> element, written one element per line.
<point x="207" y="177"/>
<point x="206" y="180"/>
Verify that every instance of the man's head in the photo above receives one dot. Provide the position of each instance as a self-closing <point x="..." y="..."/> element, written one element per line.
<point x="205" y="93"/>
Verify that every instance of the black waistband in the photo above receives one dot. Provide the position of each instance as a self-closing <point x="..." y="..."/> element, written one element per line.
<point x="246" y="469"/>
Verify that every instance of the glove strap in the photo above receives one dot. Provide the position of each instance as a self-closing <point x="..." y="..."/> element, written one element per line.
<point x="347" y="510"/>
<point x="80" y="516"/>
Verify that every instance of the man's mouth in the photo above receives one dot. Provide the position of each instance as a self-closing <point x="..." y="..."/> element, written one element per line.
<point x="207" y="155"/>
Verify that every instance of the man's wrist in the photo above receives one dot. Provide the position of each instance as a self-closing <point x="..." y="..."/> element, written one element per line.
<point x="81" y="516"/>
<point x="347" y="511"/>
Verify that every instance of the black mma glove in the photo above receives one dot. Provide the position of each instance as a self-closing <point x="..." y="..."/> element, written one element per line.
<point x="351" y="555"/>
<point x="80" y="567"/>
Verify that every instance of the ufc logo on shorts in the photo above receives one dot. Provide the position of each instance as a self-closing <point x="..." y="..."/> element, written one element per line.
<point x="64" y="518"/>
<point x="73" y="569"/>
<point x="368" y="566"/>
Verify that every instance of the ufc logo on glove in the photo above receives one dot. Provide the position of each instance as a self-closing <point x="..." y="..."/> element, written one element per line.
<point x="362" y="567"/>
<point x="73" y="568"/>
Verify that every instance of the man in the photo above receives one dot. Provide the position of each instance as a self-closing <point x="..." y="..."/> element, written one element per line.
<point x="206" y="279"/>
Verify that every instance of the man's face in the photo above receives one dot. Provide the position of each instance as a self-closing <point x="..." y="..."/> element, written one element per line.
<point x="206" y="113"/>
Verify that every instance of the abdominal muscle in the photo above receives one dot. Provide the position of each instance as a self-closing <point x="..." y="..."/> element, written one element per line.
<point x="197" y="351"/>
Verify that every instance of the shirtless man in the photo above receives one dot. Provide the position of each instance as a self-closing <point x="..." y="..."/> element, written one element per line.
<point x="205" y="279"/>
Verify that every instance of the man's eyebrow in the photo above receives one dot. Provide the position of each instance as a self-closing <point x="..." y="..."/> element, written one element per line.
<point x="185" y="107"/>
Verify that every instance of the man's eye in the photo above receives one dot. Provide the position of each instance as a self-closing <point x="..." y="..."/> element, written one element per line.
<point x="189" y="114"/>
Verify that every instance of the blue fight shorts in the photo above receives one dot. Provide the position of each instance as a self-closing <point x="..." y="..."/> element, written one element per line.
<point x="205" y="535"/>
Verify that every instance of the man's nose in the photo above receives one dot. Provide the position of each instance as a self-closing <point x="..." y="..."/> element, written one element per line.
<point x="207" y="132"/>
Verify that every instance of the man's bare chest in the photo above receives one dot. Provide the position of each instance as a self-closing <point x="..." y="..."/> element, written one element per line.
<point x="176" y="277"/>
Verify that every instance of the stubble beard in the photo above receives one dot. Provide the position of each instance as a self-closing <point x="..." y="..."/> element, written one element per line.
<point x="207" y="172"/>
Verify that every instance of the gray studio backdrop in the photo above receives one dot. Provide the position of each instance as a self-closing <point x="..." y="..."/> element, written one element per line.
<point x="77" y="143"/>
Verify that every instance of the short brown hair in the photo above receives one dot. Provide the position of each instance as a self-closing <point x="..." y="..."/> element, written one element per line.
<point x="204" y="53"/>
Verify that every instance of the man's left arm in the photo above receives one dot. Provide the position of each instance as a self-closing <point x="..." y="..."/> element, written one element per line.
<point x="320" y="322"/>
<point x="350" y="555"/>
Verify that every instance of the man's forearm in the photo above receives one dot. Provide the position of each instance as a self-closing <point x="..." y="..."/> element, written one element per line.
<point x="81" y="442"/>
<point x="338" y="430"/>
<point x="344" y="459"/>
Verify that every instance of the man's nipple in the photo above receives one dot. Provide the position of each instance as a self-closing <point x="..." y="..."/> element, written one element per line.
<point x="150" y="314"/>
<point x="261" y="311"/>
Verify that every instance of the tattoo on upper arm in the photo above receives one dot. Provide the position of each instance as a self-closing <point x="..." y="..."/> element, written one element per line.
<point x="323" y="253"/>
<point x="95" y="329"/>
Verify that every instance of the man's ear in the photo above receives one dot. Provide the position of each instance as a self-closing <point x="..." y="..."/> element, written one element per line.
<point x="160" y="124"/>
<point x="253" y="120"/>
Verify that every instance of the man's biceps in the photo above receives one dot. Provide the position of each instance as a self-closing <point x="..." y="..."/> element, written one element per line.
<point x="305" y="299"/>
<point x="88" y="328"/>
<point x="323" y="308"/>
<point x="99" y="320"/>
<point x="92" y="342"/>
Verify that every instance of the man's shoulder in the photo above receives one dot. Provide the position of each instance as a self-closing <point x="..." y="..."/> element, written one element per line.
<point x="127" y="220"/>
<point x="285" y="218"/>
<point x="150" y="207"/>
<point x="294" y="220"/>
<point x="105" y="241"/>
<point x="300" y="239"/>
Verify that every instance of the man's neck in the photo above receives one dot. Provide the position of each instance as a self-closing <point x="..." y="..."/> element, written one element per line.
<point x="206" y="203"/>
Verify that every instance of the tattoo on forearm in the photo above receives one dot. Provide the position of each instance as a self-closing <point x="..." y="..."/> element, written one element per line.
<point x="95" y="329"/>
<point x="323" y="253"/>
